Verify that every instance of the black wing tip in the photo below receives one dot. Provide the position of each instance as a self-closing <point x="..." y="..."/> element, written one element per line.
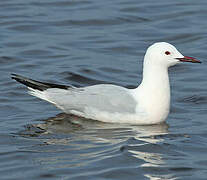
<point x="36" y="84"/>
<point x="28" y="82"/>
<point x="15" y="76"/>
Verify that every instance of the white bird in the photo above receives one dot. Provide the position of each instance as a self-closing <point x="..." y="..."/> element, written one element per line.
<point x="147" y="104"/>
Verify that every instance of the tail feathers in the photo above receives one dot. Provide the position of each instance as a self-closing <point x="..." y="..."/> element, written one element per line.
<point x="37" y="85"/>
<point x="40" y="94"/>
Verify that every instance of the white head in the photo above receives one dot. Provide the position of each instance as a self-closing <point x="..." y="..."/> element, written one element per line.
<point x="165" y="54"/>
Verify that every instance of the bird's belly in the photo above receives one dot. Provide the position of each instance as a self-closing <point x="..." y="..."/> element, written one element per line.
<point x="117" y="117"/>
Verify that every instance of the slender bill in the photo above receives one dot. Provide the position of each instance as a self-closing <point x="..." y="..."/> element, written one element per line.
<point x="188" y="59"/>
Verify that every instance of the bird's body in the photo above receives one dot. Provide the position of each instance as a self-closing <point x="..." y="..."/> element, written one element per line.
<point x="149" y="103"/>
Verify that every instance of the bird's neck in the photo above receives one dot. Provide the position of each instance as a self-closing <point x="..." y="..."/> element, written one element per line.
<point x="156" y="79"/>
<point x="153" y="94"/>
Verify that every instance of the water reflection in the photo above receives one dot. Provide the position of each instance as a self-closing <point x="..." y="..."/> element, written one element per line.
<point x="68" y="124"/>
<point x="83" y="142"/>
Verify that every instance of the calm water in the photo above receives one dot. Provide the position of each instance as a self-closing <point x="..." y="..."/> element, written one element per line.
<point x="88" y="42"/>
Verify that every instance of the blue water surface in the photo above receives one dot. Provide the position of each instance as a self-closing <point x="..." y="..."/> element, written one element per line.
<point x="90" y="42"/>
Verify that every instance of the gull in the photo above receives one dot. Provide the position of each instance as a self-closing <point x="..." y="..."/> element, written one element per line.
<point x="147" y="104"/>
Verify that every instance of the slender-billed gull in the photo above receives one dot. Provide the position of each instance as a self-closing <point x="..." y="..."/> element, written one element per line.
<point x="149" y="103"/>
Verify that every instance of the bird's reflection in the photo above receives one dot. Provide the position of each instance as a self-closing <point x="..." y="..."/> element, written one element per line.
<point x="69" y="124"/>
<point x="84" y="136"/>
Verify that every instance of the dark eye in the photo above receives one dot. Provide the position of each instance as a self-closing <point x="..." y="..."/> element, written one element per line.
<point x="167" y="52"/>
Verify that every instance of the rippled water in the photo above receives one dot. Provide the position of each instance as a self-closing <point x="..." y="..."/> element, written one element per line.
<point x="88" y="42"/>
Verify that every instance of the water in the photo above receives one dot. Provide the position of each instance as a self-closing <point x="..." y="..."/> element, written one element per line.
<point x="89" y="42"/>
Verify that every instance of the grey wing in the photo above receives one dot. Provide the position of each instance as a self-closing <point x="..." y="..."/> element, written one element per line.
<point x="109" y="98"/>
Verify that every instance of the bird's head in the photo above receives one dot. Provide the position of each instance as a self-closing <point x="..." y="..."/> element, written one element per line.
<point x="165" y="54"/>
